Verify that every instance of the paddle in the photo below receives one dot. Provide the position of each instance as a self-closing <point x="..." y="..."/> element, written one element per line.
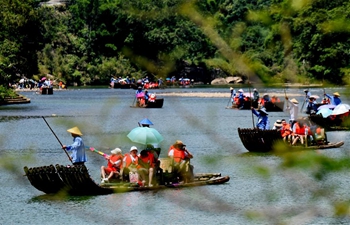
<point x="285" y="96"/>
<point x="58" y="140"/>
<point x="229" y="101"/>
<point x="306" y="97"/>
<point x="133" y="103"/>
<point x="251" y="105"/>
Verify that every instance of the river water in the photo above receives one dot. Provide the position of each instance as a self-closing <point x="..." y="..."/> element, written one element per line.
<point x="210" y="131"/>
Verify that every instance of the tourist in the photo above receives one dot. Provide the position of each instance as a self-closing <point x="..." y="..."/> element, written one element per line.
<point x="146" y="167"/>
<point x="286" y="131"/>
<point x="240" y="99"/>
<point x="335" y="100"/>
<point x="78" y="155"/>
<point x="114" y="164"/>
<point x="263" y="121"/>
<point x="130" y="163"/>
<point x="181" y="157"/>
<point x="277" y="125"/>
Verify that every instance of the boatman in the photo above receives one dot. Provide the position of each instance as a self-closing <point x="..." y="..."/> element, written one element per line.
<point x="78" y="155"/>
<point x="335" y="100"/>
<point x="263" y="121"/>
<point x="293" y="107"/>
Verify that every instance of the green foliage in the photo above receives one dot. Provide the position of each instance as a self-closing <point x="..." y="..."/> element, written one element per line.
<point x="6" y="92"/>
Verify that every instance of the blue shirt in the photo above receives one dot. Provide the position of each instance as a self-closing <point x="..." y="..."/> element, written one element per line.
<point x="78" y="150"/>
<point x="334" y="100"/>
<point x="263" y="121"/>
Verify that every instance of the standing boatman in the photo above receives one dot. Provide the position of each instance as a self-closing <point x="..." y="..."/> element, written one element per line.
<point x="78" y="155"/>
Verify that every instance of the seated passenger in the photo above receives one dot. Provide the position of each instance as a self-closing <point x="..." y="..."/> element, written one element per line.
<point x="130" y="163"/>
<point x="277" y="125"/>
<point x="114" y="164"/>
<point x="286" y="131"/>
<point x="146" y="167"/>
<point x="152" y="98"/>
<point x="181" y="161"/>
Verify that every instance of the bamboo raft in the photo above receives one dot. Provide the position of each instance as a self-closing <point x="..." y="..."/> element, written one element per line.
<point x="262" y="141"/>
<point x="75" y="180"/>
<point x="256" y="140"/>
<point x="157" y="104"/>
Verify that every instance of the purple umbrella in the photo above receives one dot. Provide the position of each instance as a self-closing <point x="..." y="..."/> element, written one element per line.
<point x="326" y="106"/>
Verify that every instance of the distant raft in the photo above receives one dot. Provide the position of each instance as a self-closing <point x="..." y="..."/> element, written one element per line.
<point x="262" y="141"/>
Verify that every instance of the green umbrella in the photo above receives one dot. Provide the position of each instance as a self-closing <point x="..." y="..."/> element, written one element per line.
<point x="145" y="135"/>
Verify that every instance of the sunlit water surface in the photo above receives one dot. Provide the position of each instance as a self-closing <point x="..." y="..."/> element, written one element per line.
<point x="105" y="118"/>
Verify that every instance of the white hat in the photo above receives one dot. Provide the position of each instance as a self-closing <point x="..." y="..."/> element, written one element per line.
<point x="278" y="123"/>
<point x="116" y="151"/>
<point x="240" y="90"/>
<point x="133" y="148"/>
<point x="294" y="101"/>
<point x="254" y="89"/>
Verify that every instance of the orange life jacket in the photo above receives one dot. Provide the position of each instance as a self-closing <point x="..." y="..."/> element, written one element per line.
<point x="178" y="154"/>
<point x="147" y="161"/>
<point x="115" y="158"/>
<point x="299" y="130"/>
<point x="128" y="160"/>
<point x="285" y="131"/>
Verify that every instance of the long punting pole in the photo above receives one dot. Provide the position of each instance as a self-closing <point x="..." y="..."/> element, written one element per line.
<point x="58" y="140"/>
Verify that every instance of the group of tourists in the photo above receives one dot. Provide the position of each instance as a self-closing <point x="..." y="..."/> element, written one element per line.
<point x="239" y="99"/>
<point x="302" y="131"/>
<point x="143" y="97"/>
<point x="140" y="168"/>
<point x="144" y="82"/>
<point x="133" y="167"/>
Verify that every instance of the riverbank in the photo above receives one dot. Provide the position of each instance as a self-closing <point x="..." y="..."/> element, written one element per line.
<point x="184" y="93"/>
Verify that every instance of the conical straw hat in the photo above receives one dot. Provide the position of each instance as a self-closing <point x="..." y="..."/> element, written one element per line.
<point x="75" y="130"/>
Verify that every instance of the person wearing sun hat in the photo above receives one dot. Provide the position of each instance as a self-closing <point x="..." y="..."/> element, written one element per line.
<point x="277" y="125"/>
<point x="240" y="98"/>
<point x="233" y="95"/>
<point x="181" y="157"/>
<point x="114" y="165"/>
<point x="78" y="155"/>
<point x="263" y="122"/>
<point x="335" y="100"/>
<point x="293" y="108"/>
<point x="130" y="162"/>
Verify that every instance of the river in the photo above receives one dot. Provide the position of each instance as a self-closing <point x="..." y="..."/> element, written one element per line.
<point x="210" y="131"/>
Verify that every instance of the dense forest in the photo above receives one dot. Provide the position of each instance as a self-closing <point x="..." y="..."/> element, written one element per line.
<point x="89" y="41"/>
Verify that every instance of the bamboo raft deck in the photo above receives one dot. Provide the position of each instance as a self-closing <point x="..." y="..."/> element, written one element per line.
<point x="19" y="99"/>
<point x="75" y="180"/>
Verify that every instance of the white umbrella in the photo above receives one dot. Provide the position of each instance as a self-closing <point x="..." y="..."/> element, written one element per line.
<point x="340" y="109"/>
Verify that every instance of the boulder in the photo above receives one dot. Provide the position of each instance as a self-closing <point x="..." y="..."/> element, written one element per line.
<point x="219" y="81"/>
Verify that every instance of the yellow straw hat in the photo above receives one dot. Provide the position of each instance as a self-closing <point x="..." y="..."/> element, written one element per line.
<point x="75" y="130"/>
<point x="336" y="94"/>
